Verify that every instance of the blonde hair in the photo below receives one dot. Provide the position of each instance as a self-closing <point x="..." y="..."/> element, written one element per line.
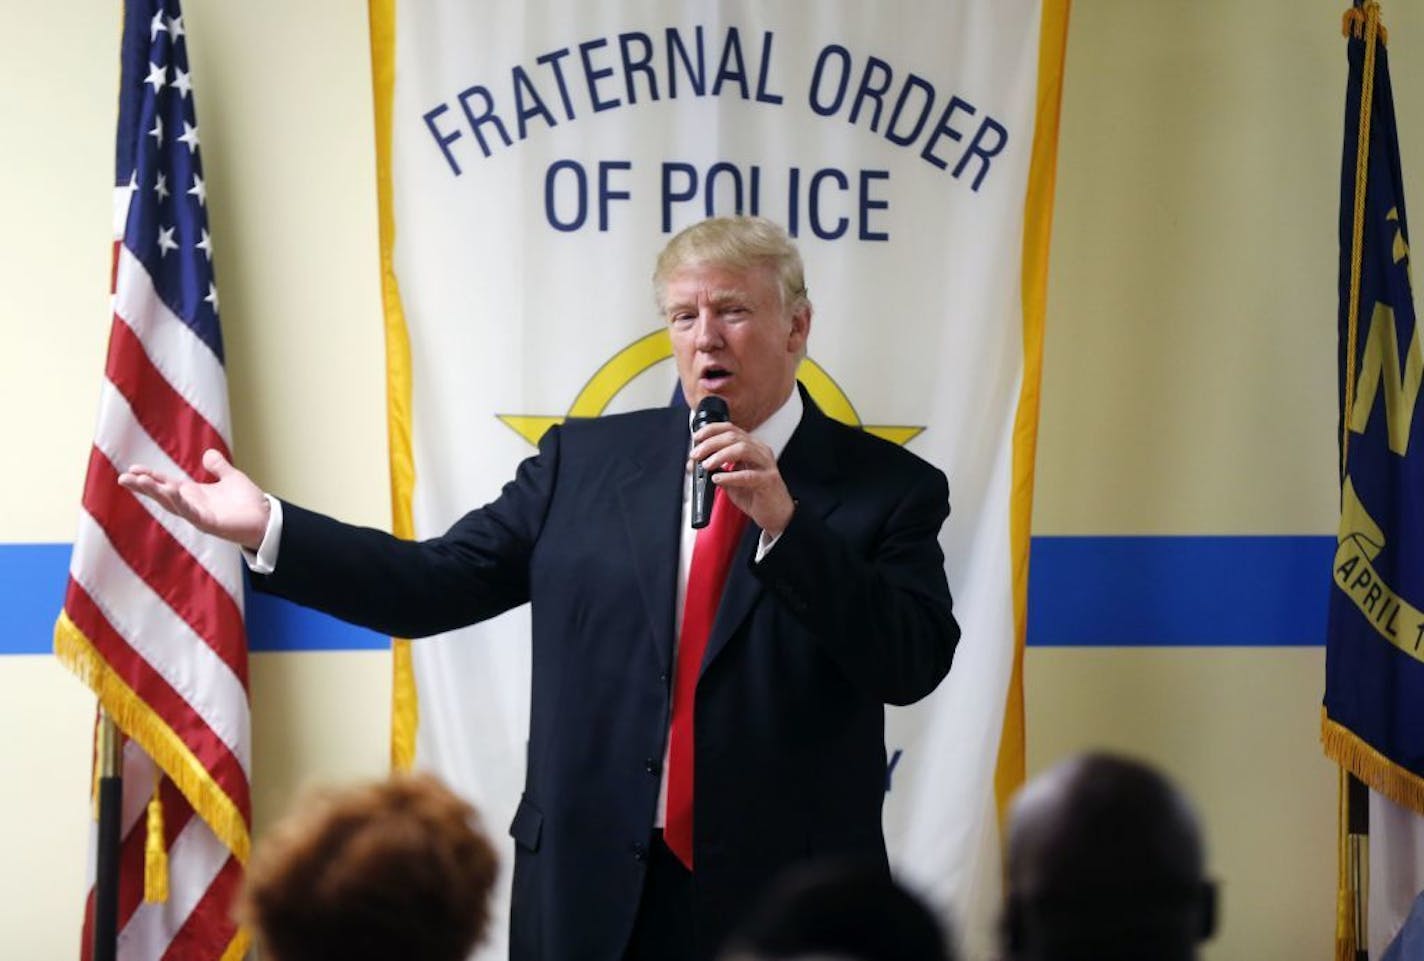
<point x="741" y="242"/>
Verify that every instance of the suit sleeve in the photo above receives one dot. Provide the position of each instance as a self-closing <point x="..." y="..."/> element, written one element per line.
<point x="887" y="618"/>
<point x="477" y="569"/>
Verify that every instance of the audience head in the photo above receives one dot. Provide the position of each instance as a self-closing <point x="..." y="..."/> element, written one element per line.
<point x="1105" y="862"/>
<point x="840" y="911"/>
<point x="397" y="869"/>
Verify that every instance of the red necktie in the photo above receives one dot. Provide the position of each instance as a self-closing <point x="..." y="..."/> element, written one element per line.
<point x="711" y="559"/>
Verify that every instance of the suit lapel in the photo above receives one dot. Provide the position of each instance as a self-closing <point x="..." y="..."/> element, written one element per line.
<point x="808" y="466"/>
<point x="650" y="497"/>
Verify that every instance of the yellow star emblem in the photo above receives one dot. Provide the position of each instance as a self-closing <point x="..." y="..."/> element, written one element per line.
<point x="655" y="348"/>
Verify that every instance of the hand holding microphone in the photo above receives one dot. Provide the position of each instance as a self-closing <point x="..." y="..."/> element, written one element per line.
<point x="744" y="468"/>
<point x="712" y="410"/>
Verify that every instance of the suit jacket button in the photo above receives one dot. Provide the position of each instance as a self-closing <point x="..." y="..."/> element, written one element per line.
<point x="640" y="851"/>
<point x="652" y="766"/>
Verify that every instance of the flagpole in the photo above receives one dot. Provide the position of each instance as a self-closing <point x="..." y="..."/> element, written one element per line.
<point x="106" y="883"/>
<point x="1362" y="20"/>
<point x="1357" y="839"/>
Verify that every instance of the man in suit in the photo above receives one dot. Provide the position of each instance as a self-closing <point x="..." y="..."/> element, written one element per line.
<point x="834" y="603"/>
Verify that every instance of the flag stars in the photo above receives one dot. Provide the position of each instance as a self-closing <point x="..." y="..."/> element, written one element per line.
<point x="181" y="81"/>
<point x="199" y="190"/>
<point x="212" y="297"/>
<point x="166" y="241"/>
<point x="175" y="27"/>
<point x="206" y="246"/>
<point x="157" y="131"/>
<point x="157" y="76"/>
<point x="190" y="137"/>
<point x="161" y="188"/>
<point x="156" y="26"/>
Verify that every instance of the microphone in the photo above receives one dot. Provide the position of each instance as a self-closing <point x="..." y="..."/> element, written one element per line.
<point x="712" y="410"/>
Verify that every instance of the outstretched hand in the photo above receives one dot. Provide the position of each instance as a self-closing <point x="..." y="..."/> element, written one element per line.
<point x="232" y="507"/>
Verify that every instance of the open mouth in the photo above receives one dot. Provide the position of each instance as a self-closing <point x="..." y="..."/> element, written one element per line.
<point x="714" y="378"/>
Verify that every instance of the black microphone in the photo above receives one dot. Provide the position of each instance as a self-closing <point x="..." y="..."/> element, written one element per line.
<point x="712" y="410"/>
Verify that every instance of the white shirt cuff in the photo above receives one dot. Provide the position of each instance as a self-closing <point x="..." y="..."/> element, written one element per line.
<point x="264" y="561"/>
<point x="764" y="545"/>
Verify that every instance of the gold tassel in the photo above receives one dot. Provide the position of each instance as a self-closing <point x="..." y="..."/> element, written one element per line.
<point x="155" y="855"/>
<point x="1353" y="22"/>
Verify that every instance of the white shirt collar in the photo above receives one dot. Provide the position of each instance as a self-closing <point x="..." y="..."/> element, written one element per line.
<point x="775" y="432"/>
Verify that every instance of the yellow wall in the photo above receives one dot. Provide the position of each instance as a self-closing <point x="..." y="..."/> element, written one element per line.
<point x="1188" y="388"/>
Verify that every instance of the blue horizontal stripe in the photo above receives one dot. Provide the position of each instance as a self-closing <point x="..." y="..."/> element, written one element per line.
<point x="1083" y="592"/>
<point x="277" y="625"/>
<point x="1178" y="591"/>
<point x="32" y="582"/>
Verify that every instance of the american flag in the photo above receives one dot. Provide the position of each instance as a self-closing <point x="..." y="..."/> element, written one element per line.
<point x="152" y="617"/>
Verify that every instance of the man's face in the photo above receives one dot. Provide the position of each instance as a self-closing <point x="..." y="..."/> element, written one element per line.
<point x="732" y="338"/>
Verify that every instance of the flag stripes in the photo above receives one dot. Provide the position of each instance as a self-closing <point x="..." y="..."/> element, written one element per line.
<point x="203" y="930"/>
<point x="209" y="930"/>
<point x="144" y="624"/>
<point x="196" y="860"/>
<point x="144" y="545"/>
<point x="124" y="442"/>
<point x="153" y="612"/>
<point x="164" y="414"/>
<point x="185" y="360"/>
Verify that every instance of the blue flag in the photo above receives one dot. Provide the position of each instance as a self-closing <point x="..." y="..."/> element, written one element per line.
<point x="1374" y="669"/>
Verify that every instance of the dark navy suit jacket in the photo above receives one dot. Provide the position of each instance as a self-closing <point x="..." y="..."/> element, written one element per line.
<point x="849" y="611"/>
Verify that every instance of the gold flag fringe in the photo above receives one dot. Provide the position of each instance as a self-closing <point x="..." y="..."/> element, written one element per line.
<point x="1382" y="775"/>
<point x="140" y="722"/>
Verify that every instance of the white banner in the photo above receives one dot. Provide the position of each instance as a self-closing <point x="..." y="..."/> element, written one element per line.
<point x="542" y="153"/>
